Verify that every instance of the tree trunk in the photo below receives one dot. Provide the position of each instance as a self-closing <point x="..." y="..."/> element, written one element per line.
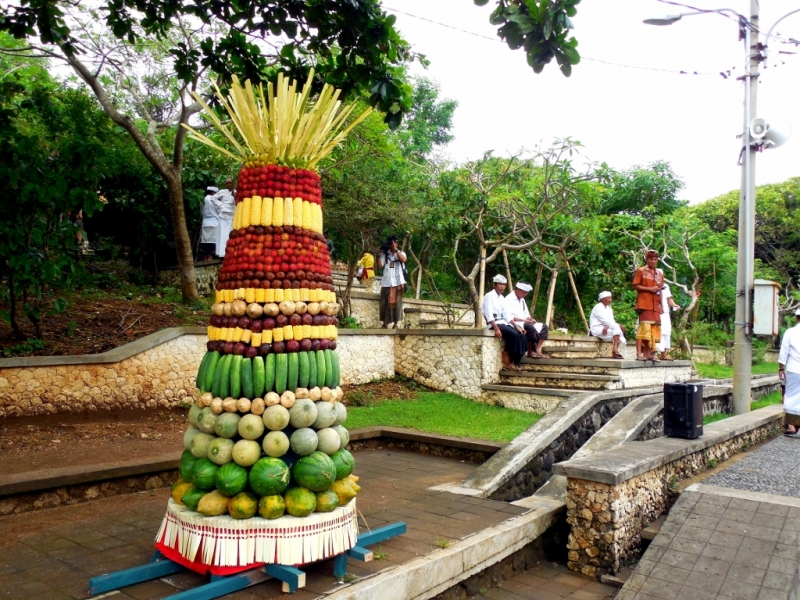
<point x="577" y="297"/>
<point x="183" y="243"/>
<point x="536" y="287"/>
<point x="508" y="269"/>
<point x="548" y="319"/>
<point x="478" y="295"/>
<point x="476" y="303"/>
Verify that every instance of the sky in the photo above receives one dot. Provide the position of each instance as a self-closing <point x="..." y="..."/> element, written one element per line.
<point x="626" y="102"/>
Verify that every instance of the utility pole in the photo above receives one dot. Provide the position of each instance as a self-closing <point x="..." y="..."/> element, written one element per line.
<point x="743" y="333"/>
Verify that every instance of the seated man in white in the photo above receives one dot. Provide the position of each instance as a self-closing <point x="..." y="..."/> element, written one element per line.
<point x="603" y="325"/>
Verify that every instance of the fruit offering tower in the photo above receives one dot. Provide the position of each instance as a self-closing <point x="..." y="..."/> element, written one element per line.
<point x="265" y="477"/>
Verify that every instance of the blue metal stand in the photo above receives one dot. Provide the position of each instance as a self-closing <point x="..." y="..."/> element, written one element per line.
<point x="291" y="578"/>
<point x="360" y="552"/>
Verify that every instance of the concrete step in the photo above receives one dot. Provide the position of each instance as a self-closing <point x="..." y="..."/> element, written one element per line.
<point x="651" y="531"/>
<point x="558" y="375"/>
<point x="525" y="389"/>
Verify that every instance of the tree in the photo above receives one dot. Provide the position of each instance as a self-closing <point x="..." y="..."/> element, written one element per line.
<point x="352" y="45"/>
<point x="647" y="191"/>
<point x="541" y="28"/>
<point x="52" y="143"/>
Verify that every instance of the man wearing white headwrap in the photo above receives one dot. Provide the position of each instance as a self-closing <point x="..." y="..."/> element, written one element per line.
<point x="515" y="311"/>
<point x="789" y="371"/>
<point x="603" y="325"/>
<point x="209" y="232"/>
<point x="225" y="202"/>
<point x="492" y="308"/>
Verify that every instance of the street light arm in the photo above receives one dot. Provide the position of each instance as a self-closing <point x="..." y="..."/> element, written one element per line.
<point x="769" y="33"/>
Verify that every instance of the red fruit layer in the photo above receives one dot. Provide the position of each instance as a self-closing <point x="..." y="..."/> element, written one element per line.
<point x="257" y="258"/>
<point x="274" y="181"/>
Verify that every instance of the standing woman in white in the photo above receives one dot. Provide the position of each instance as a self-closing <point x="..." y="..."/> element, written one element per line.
<point x="667" y="305"/>
<point x="789" y="371"/>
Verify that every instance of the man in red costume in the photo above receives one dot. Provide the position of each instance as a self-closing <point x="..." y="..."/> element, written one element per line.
<point x="648" y="282"/>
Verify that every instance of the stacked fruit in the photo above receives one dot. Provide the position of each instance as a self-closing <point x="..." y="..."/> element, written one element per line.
<point x="265" y="435"/>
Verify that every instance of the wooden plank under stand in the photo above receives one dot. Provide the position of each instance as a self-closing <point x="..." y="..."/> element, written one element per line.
<point x="291" y="577"/>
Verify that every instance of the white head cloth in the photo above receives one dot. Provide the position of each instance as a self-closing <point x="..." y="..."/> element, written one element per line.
<point x="605" y="294"/>
<point x="525" y="287"/>
<point x="499" y="279"/>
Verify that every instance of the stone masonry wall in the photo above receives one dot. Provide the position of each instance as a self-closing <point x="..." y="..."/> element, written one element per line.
<point x="206" y="275"/>
<point x="161" y="376"/>
<point x="365" y="358"/>
<point x="607" y="520"/>
<point x="451" y="363"/>
<point x="540" y="468"/>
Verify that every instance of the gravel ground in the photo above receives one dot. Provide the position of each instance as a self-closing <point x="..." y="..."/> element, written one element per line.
<point x="773" y="469"/>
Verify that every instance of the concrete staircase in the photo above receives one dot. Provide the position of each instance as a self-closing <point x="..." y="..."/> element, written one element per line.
<point x="547" y="381"/>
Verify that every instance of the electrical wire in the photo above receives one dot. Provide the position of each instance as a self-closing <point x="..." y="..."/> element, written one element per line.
<point x="724" y="74"/>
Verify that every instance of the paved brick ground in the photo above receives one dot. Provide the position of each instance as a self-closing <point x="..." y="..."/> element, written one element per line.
<point x="51" y="554"/>
<point x="549" y="581"/>
<point x="721" y="544"/>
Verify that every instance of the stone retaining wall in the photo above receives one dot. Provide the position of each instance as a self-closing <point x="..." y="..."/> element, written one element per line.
<point x="161" y="375"/>
<point x="205" y="274"/>
<point x="611" y="498"/>
<point x="459" y="363"/>
<point x="366" y="356"/>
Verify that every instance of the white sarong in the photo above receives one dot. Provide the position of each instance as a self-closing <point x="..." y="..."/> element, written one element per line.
<point x="791" y="398"/>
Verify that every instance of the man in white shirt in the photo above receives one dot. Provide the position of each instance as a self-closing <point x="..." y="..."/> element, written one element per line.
<point x="603" y="325"/>
<point x="492" y="308"/>
<point x="209" y="233"/>
<point x="789" y="371"/>
<point x="517" y="314"/>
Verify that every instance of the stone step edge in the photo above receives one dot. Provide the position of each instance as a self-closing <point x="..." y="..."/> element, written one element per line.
<point x="46" y="479"/>
<point x="432" y="574"/>
<point x="557" y="375"/>
<point x="521" y="389"/>
<point x="651" y="531"/>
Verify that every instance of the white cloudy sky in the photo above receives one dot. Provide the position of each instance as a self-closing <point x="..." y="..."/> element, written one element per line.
<point x="632" y="112"/>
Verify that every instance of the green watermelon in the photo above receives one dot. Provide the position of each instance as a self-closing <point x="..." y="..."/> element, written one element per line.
<point x="231" y="479"/>
<point x="316" y="472"/>
<point x="344" y="462"/>
<point x="269" y="476"/>
<point x="300" y="502"/>
<point x="187" y="463"/>
<point x="203" y="474"/>
<point x="191" y="497"/>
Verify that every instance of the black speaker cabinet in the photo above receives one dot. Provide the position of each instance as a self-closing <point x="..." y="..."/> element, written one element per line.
<point x="683" y="410"/>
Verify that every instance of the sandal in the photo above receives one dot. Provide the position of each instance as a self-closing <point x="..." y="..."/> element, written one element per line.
<point x="668" y="359"/>
<point x="617" y="355"/>
<point x="641" y="357"/>
<point x="543" y="355"/>
<point x="531" y="355"/>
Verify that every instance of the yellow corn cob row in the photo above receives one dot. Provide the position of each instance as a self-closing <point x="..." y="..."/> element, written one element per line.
<point x="277" y="212"/>
<point x="297" y="204"/>
<point x="307" y="221"/>
<point x="255" y="210"/>
<point x="288" y="211"/>
<point x="245" y="210"/>
<point x="266" y="211"/>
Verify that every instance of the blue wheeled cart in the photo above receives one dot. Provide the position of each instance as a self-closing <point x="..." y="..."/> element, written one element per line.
<point x="292" y="578"/>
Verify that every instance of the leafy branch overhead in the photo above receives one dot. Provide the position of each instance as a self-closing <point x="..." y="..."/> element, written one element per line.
<point x="541" y="28"/>
<point x="353" y="45"/>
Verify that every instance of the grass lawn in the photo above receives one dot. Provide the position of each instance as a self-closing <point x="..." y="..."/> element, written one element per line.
<point x="448" y="414"/>
<point x="773" y="398"/>
<point x="725" y="372"/>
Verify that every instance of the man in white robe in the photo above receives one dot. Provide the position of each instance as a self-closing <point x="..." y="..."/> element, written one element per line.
<point x="516" y="312"/>
<point x="225" y="202"/>
<point x="209" y="232"/>
<point x="789" y="371"/>
<point x="603" y="325"/>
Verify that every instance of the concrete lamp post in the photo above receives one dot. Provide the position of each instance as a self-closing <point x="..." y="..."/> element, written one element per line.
<point x="756" y="135"/>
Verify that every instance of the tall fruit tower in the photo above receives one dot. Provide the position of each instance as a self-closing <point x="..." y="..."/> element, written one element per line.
<point x="264" y="475"/>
